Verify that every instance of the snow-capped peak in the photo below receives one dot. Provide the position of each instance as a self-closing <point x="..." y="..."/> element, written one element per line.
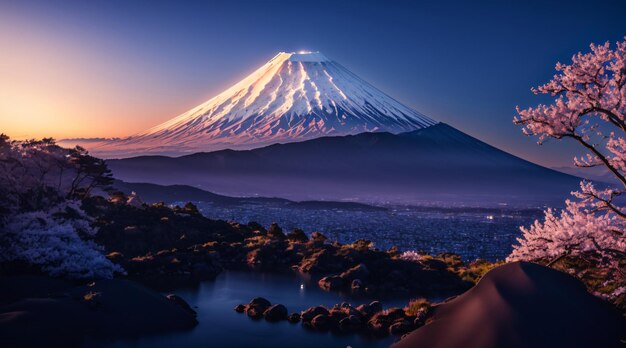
<point x="293" y="97"/>
<point x="306" y="56"/>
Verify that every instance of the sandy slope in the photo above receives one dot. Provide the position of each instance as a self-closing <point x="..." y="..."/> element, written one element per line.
<point x="522" y="305"/>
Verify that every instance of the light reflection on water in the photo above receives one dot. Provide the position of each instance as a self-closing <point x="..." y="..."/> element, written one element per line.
<point x="220" y="326"/>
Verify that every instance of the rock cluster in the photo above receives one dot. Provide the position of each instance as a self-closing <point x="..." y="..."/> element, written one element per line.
<point x="356" y="267"/>
<point x="170" y="268"/>
<point x="260" y="307"/>
<point x="179" y="301"/>
<point x="167" y="247"/>
<point x="344" y="318"/>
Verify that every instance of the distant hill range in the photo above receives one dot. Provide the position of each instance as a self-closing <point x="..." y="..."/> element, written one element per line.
<point x="600" y="174"/>
<point x="171" y="194"/>
<point x="435" y="164"/>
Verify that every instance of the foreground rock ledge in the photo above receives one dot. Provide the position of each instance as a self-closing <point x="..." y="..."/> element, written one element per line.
<point x="522" y="305"/>
<point x="38" y="311"/>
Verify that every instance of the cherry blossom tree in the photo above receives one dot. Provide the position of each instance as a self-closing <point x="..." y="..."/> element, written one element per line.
<point x="590" y="109"/>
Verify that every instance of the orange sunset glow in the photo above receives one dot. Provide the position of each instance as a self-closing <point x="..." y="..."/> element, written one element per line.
<point x="58" y="83"/>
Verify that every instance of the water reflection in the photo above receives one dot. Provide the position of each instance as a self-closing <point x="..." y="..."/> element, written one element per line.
<point x="221" y="326"/>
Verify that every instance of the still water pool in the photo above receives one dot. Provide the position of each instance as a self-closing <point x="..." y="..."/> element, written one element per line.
<point x="220" y="326"/>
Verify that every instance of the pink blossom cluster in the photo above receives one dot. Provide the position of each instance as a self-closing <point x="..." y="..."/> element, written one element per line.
<point x="590" y="108"/>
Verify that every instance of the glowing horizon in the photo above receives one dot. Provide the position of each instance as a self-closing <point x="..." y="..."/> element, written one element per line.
<point x="72" y="92"/>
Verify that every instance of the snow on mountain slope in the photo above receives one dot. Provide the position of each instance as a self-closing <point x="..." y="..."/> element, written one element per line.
<point x="293" y="97"/>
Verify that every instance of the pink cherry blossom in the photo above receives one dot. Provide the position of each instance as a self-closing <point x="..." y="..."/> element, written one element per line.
<point x="590" y="99"/>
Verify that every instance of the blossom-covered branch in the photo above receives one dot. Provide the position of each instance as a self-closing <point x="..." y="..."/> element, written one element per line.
<point x="590" y="108"/>
<point x="590" y="90"/>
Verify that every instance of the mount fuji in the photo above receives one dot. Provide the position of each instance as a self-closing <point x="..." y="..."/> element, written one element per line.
<point x="303" y="127"/>
<point x="293" y="97"/>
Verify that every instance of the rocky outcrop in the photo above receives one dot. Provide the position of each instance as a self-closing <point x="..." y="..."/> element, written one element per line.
<point x="312" y="312"/>
<point x="358" y="272"/>
<point x="294" y="318"/>
<point x="167" y="247"/>
<point x="332" y="283"/>
<point x="167" y="269"/>
<point x="359" y="268"/>
<point x="276" y="313"/>
<point x="262" y="308"/>
<point x="369" y="319"/>
<point x="136" y="232"/>
<point x="36" y="311"/>
<point x="179" y="301"/>
<point x="257" y="307"/>
<point x="297" y="235"/>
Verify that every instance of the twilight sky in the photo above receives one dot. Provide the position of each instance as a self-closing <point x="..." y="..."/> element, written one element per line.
<point x="113" y="68"/>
